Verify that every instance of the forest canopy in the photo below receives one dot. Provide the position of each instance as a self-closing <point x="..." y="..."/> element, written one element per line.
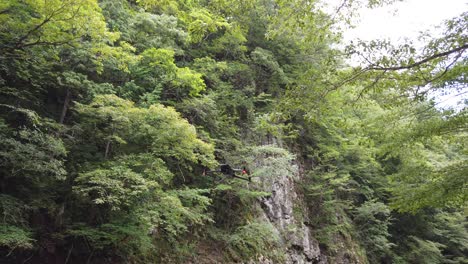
<point x="112" y="111"/>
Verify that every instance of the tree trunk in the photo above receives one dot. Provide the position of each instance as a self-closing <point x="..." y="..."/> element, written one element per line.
<point x="108" y="144"/>
<point x="65" y="106"/>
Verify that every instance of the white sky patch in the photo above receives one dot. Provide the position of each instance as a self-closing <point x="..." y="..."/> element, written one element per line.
<point x="454" y="100"/>
<point x="405" y="20"/>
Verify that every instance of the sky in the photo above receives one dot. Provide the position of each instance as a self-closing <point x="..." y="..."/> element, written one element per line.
<point x="406" y="19"/>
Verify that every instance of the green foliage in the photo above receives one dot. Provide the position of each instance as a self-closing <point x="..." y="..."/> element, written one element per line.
<point x="14" y="237"/>
<point x="202" y="22"/>
<point x="419" y="234"/>
<point x="166" y="6"/>
<point x="417" y="186"/>
<point x="424" y="251"/>
<point x="31" y="152"/>
<point x="155" y="31"/>
<point x="133" y="187"/>
<point x="235" y="203"/>
<point x="191" y="81"/>
<point x="372" y="220"/>
<point x="271" y="162"/>
<point x="14" y="231"/>
<point x="118" y="187"/>
<point x="35" y="23"/>
<point x="116" y="108"/>
<point x="251" y="241"/>
<point x="231" y="45"/>
<point x="32" y="161"/>
<point x="269" y="71"/>
<point x="450" y="230"/>
<point x="158" y="128"/>
<point x="156" y="76"/>
<point x="126" y="238"/>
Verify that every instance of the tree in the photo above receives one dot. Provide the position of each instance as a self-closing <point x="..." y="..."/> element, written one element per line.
<point x="132" y="186"/>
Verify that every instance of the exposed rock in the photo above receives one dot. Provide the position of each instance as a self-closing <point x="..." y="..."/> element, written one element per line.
<point x="285" y="210"/>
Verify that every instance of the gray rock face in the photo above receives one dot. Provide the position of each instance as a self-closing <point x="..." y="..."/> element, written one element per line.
<point x="285" y="210"/>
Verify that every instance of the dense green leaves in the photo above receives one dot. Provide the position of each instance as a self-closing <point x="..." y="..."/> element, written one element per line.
<point x="111" y="112"/>
<point x="38" y="23"/>
<point x="255" y="240"/>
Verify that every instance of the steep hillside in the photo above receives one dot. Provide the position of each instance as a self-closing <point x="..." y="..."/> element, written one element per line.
<point x="116" y="116"/>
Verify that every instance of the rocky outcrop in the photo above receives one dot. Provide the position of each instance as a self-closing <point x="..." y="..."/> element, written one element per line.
<point x="286" y="211"/>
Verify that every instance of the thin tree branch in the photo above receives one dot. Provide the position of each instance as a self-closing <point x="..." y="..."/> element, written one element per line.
<point x="37" y="27"/>
<point x="435" y="56"/>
